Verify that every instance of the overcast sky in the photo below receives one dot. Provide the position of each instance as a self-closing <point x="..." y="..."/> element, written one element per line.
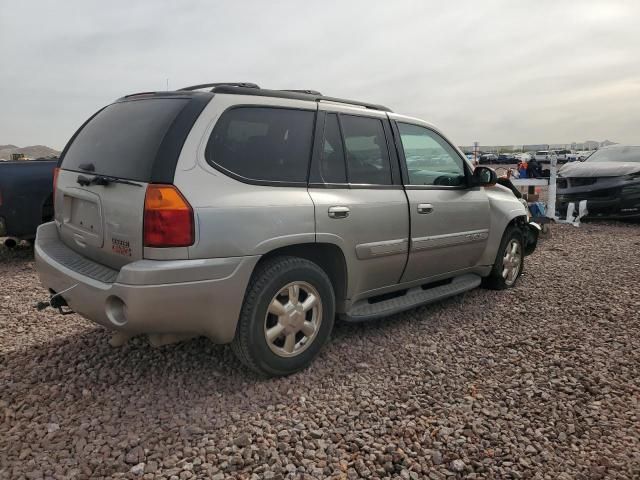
<point x="500" y="72"/>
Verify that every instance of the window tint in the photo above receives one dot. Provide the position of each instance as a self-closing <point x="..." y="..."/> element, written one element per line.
<point x="367" y="155"/>
<point x="123" y="139"/>
<point x="269" y="144"/>
<point x="430" y="159"/>
<point x="332" y="168"/>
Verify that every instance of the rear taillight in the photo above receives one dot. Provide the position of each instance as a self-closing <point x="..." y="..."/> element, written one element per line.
<point x="168" y="218"/>
<point x="56" y="171"/>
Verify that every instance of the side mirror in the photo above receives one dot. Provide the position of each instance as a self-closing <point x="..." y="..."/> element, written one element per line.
<point x="484" y="177"/>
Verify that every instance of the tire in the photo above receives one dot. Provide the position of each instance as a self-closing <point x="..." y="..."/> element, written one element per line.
<point x="270" y="308"/>
<point x="497" y="280"/>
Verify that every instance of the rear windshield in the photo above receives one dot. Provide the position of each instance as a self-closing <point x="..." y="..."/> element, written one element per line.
<point x="123" y="139"/>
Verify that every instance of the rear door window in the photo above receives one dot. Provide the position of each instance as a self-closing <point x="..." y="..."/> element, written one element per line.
<point x="366" y="150"/>
<point x="122" y="140"/>
<point x="263" y="144"/>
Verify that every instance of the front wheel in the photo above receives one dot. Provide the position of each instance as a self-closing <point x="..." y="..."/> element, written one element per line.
<point x="509" y="261"/>
<point x="287" y="316"/>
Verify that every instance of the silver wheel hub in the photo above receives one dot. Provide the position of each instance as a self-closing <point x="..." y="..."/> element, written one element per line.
<point x="293" y="319"/>
<point x="511" y="262"/>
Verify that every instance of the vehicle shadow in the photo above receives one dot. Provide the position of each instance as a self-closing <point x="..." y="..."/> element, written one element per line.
<point x="85" y="362"/>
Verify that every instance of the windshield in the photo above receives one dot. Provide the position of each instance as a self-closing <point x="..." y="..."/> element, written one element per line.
<point x="616" y="154"/>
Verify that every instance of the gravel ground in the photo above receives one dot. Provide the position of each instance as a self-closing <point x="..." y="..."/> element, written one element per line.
<point x="537" y="382"/>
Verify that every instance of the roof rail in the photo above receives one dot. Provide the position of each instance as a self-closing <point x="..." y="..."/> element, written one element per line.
<point x="220" y="84"/>
<point x="309" y="95"/>
<point x="310" y="92"/>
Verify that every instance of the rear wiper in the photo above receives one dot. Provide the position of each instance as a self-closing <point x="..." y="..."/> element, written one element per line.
<point x="89" y="167"/>
<point x="103" y="180"/>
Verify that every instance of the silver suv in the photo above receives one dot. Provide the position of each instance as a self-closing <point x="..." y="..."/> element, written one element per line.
<point x="256" y="216"/>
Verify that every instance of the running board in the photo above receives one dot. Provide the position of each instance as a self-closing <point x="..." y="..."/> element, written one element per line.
<point x="362" y="310"/>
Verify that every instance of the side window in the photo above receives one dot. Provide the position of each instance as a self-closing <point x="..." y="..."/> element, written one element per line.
<point x="367" y="154"/>
<point x="430" y="159"/>
<point x="261" y="143"/>
<point x="332" y="168"/>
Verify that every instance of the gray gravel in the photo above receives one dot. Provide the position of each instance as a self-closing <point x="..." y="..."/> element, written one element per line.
<point x="538" y="382"/>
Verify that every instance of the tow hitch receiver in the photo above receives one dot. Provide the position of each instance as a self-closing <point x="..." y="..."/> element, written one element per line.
<point x="56" y="301"/>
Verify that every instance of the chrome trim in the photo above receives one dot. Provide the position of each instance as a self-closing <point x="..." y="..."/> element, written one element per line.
<point x="448" y="240"/>
<point x="365" y="251"/>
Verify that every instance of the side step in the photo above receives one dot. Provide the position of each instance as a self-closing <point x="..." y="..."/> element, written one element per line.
<point x="362" y="310"/>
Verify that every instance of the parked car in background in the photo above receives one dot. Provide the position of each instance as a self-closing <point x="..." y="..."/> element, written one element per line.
<point x="26" y="197"/>
<point x="609" y="180"/>
<point x="523" y="157"/>
<point x="506" y="159"/>
<point x="488" y="158"/>
<point x="563" y="155"/>
<point x="253" y="216"/>
<point x="543" y="155"/>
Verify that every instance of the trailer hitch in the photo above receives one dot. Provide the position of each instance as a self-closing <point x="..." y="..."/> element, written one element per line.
<point x="57" y="301"/>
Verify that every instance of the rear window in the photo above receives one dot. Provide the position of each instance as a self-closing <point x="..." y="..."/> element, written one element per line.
<point x="123" y="139"/>
<point x="263" y="143"/>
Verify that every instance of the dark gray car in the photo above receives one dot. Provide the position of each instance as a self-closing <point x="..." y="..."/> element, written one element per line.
<point x="609" y="180"/>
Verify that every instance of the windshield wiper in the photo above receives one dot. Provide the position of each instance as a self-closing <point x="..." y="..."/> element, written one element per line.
<point x="103" y="180"/>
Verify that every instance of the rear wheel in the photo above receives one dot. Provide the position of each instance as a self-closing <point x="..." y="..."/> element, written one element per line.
<point x="287" y="316"/>
<point x="509" y="261"/>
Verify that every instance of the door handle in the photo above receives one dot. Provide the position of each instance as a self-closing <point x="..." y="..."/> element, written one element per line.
<point x="425" y="208"/>
<point x="338" y="212"/>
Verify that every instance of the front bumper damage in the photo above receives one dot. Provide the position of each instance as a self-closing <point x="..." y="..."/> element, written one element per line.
<point x="606" y="197"/>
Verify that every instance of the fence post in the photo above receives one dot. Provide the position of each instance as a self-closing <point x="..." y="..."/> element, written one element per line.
<point x="551" y="200"/>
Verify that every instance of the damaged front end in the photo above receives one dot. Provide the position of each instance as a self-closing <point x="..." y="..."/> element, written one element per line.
<point x="606" y="185"/>
<point x="606" y="197"/>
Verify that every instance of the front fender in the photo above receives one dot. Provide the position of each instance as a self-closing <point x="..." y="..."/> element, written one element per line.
<point x="504" y="209"/>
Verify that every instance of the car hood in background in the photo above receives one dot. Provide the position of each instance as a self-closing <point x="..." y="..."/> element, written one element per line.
<point x="598" y="169"/>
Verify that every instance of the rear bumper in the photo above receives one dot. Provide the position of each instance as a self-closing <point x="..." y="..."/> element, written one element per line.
<point x="201" y="297"/>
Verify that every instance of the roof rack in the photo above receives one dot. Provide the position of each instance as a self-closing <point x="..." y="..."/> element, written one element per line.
<point x="309" y="95"/>
<point x="310" y="92"/>
<point x="220" y="84"/>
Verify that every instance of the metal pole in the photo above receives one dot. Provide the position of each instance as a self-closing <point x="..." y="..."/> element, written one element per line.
<point x="551" y="192"/>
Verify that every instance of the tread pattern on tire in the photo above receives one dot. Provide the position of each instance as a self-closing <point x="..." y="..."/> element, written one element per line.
<point x="264" y="274"/>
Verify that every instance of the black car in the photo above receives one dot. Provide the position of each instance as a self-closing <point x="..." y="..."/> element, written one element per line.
<point x="506" y="159"/>
<point x="26" y="197"/>
<point x="609" y="180"/>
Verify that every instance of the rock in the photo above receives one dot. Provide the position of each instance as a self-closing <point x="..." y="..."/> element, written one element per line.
<point x="242" y="440"/>
<point x="457" y="465"/>
<point x="137" y="469"/>
<point x="135" y="456"/>
<point x="151" y="467"/>
<point x="52" y="427"/>
<point x="436" y="457"/>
